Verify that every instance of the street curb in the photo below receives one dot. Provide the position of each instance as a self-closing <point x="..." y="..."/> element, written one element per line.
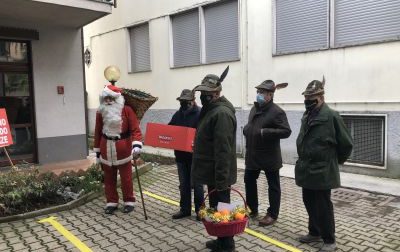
<point x="70" y="205"/>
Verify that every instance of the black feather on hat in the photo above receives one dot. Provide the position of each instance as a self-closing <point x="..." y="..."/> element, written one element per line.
<point x="212" y="82"/>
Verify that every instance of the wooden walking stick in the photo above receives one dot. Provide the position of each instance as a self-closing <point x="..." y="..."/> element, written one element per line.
<point x="9" y="159"/>
<point x="140" y="188"/>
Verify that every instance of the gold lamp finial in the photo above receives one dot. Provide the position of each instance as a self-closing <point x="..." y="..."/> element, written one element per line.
<point x="112" y="74"/>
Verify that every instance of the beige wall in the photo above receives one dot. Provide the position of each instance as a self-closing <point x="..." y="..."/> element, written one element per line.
<point x="358" y="78"/>
<point x="57" y="60"/>
<point x="108" y="39"/>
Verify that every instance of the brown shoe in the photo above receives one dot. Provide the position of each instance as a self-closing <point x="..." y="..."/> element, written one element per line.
<point x="266" y="221"/>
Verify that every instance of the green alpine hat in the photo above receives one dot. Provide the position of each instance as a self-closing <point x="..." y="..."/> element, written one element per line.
<point x="212" y="82"/>
<point x="269" y="85"/>
<point x="315" y="87"/>
<point x="186" y="95"/>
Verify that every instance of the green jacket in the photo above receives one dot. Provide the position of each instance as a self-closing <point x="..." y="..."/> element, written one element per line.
<point x="214" y="151"/>
<point x="322" y="144"/>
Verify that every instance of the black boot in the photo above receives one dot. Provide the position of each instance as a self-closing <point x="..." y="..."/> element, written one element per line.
<point x="180" y="215"/>
<point x="110" y="209"/>
<point x="128" y="209"/>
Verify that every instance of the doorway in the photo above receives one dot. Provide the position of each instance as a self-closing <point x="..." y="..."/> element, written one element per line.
<point x="16" y="96"/>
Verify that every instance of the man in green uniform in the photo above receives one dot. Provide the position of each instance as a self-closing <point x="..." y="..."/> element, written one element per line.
<point x="214" y="152"/>
<point x="322" y="144"/>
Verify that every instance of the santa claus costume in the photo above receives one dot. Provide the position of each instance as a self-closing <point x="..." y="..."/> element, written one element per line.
<point x="117" y="138"/>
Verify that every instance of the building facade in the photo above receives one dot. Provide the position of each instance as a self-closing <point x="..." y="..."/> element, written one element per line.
<point x="163" y="48"/>
<point x="42" y="84"/>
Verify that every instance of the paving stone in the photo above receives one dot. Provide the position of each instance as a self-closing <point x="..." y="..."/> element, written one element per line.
<point x="14" y="240"/>
<point x="54" y="245"/>
<point x="19" y="247"/>
<point x="35" y="246"/>
<point x="47" y="239"/>
<point x="10" y="234"/>
<point x="103" y="243"/>
<point x="366" y="224"/>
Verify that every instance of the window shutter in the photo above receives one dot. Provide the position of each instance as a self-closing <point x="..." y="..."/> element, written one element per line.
<point x="222" y="32"/>
<point x="301" y="25"/>
<point x="140" y="48"/>
<point x="186" y="42"/>
<point x="360" y="21"/>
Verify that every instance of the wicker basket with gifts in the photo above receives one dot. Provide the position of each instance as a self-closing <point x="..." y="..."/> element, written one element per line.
<point x="138" y="100"/>
<point x="227" y="219"/>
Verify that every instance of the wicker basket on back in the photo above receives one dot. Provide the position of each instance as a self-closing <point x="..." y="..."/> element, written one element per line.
<point x="138" y="100"/>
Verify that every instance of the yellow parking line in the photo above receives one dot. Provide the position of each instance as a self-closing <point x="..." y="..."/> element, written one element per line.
<point x="270" y="240"/>
<point x="172" y="202"/>
<point x="247" y="230"/>
<point x="72" y="238"/>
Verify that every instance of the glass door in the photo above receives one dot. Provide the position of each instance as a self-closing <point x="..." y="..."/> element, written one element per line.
<point x="16" y="98"/>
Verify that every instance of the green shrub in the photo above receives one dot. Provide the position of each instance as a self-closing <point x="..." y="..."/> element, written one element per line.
<point x="28" y="190"/>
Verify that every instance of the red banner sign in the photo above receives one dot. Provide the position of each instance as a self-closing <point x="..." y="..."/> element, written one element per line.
<point x="170" y="137"/>
<point x="5" y="133"/>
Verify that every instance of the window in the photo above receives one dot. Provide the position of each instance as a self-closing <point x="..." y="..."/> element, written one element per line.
<point x="186" y="38"/>
<point x="140" y="48"/>
<point x="368" y="134"/>
<point x="221" y="32"/>
<point x="11" y="51"/>
<point x="360" y="21"/>
<point x="208" y="34"/>
<point x="301" y="26"/>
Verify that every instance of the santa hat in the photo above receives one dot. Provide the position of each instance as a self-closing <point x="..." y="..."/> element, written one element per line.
<point x="111" y="90"/>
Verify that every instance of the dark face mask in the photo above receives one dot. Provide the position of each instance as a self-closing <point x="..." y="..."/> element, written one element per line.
<point x="205" y="99"/>
<point x="184" y="105"/>
<point x="310" y="104"/>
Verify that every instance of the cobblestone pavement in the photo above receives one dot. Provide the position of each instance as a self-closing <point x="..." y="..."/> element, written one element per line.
<point x="364" y="222"/>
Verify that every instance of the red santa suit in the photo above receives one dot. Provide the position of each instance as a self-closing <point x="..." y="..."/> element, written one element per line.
<point x="117" y="132"/>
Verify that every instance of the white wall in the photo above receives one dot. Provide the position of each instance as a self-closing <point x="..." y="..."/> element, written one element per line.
<point x="57" y="60"/>
<point x="357" y="78"/>
<point x="108" y="39"/>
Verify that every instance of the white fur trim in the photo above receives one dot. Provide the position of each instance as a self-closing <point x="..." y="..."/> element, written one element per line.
<point x="118" y="162"/>
<point x="109" y="92"/>
<point x="111" y="204"/>
<point x="128" y="203"/>
<point x="137" y="143"/>
<point x="96" y="149"/>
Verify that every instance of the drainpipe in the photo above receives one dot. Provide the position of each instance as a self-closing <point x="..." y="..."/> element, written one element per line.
<point x="85" y="94"/>
<point x="244" y="52"/>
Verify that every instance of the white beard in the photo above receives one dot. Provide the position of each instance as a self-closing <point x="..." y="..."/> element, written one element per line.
<point x="112" y="120"/>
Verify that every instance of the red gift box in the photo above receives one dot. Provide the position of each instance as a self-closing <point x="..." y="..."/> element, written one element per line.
<point x="170" y="137"/>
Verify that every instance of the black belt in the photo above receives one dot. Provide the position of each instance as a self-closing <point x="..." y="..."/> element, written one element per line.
<point x="122" y="136"/>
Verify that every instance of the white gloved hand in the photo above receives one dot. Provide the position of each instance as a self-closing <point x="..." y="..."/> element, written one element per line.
<point x="136" y="150"/>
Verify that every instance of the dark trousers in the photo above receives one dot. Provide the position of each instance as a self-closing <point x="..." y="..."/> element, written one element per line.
<point x="321" y="221"/>
<point x="185" y="188"/>
<point x="274" y="191"/>
<point x="214" y="198"/>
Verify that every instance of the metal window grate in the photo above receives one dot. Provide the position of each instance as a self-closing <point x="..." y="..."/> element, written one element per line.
<point x="368" y="136"/>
